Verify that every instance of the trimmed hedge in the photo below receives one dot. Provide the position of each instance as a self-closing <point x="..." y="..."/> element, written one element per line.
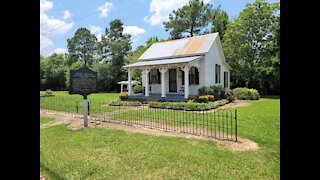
<point x="189" y="106"/>
<point x="125" y="103"/>
<point x="201" y="99"/>
<point x="246" y="94"/>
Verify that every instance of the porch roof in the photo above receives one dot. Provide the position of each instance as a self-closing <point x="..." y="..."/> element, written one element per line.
<point x="165" y="61"/>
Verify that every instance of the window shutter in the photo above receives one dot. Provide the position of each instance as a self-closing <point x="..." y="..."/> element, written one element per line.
<point x="182" y="77"/>
<point x="158" y="76"/>
<point x="149" y="74"/>
<point x="224" y="79"/>
<point x="219" y="75"/>
<point x="197" y="76"/>
<point x="216" y="73"/>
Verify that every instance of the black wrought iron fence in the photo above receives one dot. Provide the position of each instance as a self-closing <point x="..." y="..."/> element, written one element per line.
<point x="221" y="124"/>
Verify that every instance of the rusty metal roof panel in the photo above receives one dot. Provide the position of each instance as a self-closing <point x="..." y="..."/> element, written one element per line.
<point x="181" y="47"/>
<point x="165" y="61"/>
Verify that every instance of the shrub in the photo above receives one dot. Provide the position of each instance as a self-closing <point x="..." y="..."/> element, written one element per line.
<point x="48" y="92"/>
<point x="216" y="91"/>
<point x="124" y="97"/>
<point x="137" y="89"/>
<point x="253" y="94"/>
<point x="246" y="94"/>
<point x="229" y="95"/>
<point x="125" y="103"/>
<point x="193" y="97"/>
<point x="205" y="99"/>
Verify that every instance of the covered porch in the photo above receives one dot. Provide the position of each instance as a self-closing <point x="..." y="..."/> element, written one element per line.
<point x="168" y="79"/>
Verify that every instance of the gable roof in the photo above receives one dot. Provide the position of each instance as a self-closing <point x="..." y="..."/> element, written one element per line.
<point x="165" y="61"/>
<point x="179" y="48"/>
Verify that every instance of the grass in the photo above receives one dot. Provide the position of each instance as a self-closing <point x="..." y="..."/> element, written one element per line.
<point x="45" y="120"/>
<point x="179" y="118"/>
<point x="62" y="101"/>
<point x="113" y="154"/>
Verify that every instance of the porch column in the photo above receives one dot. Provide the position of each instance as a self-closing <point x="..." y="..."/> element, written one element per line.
<point x="146" y="71"/>
<point x="186" y="81"/>
<point x="163" y="70"/>
<point x="129" y="82"/>
<point x="121" y="87"/>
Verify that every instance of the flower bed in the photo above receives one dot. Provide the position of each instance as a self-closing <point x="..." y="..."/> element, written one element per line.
<point x="189" y="106"/>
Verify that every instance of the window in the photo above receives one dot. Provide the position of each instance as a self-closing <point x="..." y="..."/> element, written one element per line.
<point x="154" y="77"/>
<point x="218" y="73"/>
<point x="193" y="76"/>
<point x="226" y="79"/>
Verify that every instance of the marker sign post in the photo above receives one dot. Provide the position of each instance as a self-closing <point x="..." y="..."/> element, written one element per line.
<point x="83" y="81"/>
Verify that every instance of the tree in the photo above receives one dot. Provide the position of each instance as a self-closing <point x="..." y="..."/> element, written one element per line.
<point x="251" y="45"/>
<point x="191" y="19"/>
<point x="114" y="48"/>
<point x="54" y="72"/>
<point x="82" y="47"/>
<point x="220" y="22"/>
<point x="42" y="71"/>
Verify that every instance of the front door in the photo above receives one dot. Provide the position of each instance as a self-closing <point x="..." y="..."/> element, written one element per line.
<point x="172" y="80"/>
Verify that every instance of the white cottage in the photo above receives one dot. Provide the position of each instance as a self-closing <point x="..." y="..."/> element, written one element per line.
<point x="182" y="66"/>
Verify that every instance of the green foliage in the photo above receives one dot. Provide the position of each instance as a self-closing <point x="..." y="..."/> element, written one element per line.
<point x="189" y="106"/>
<point x="220" y="22"/>
<point x="113" y="49"/>
<point x="52" y="72"/>
<point x="124" y="97"/>
<point x="205" y="98"/>
<point x="192" y="18"/>
<point x="216" y="91"/>
<point x="183" y="158"/>
<point x="229" y="95"/>
<point x="125" y="103"/>
<point x="48" y="92"/>
<point x="253" y="94"/>
<point x="82" y="47"/>
<point x="137" y="89"/>
<point x="246" y="94"/>
<point x="251" y="45"/>
<point x="193" y="97"/>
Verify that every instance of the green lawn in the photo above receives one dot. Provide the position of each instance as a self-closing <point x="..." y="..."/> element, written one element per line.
<point x="62" y="101"/>
<point x="45" y="120"/>
<point x="114" y="154"/>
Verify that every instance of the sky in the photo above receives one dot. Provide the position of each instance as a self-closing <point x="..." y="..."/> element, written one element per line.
<point x="59" y="19"/>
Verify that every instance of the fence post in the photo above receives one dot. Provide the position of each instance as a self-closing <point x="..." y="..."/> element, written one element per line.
<point x="77" y="107"/>
<point x="88" y="108"/>
<point x="235" y="117"/>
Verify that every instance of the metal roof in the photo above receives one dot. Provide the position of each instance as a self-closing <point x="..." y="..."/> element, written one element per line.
<point x="164" y="61"/>
<point x="182" y="47"/>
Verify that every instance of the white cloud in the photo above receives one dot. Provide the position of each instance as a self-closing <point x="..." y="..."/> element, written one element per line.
<point x="45" y="43"/>
<point x="50" y="26"/>
<point x="66" y="15"/>
<point x="45" y="5"/>
<point x="161" y="9"/>
<point x="60" y="51"/>
<point x="96" y="30"/>
<point x="104" y="9"/>
<point x="133" y="30"/>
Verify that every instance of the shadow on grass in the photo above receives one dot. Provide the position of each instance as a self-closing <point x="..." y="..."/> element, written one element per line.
<point x="52" y="174"/>
<point x="270" y="96"/>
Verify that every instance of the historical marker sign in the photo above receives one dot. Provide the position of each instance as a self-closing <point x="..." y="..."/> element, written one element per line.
<point x="83" y="81"/>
